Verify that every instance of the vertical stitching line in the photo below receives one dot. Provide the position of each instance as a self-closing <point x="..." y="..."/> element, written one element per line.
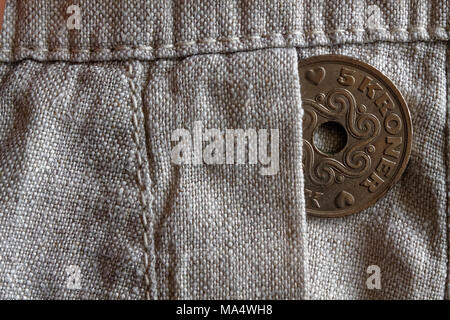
<point x="150" y="286"/>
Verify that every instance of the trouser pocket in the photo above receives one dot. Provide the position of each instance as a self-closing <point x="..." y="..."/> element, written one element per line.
<point x="224" y="134"/>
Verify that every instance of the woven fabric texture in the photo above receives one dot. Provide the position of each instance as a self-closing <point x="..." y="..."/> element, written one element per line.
<point x="126" y="29"/>
<point x="405" y="232"/>
<point x="68" y="190"/>
<point x="93" y="205"/>
<point x="227" y="231"/>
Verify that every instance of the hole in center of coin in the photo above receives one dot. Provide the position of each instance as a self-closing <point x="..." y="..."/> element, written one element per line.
<point x="330" y="137"/>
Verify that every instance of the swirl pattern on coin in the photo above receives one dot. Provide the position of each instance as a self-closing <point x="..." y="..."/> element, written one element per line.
<point x="353" y="95"/>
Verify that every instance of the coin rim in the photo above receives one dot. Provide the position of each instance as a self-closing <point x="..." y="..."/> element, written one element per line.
<point x="390" y="86"/>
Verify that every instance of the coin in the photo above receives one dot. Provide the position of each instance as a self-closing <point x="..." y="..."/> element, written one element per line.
<point x="357" y="134"/>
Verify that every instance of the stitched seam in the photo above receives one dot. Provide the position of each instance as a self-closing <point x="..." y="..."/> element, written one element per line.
<point x="150" y="289"/>
<point x="231" y="39"/>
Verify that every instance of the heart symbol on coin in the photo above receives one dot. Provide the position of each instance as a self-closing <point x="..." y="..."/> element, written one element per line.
<point x="315" y="75"/>
<point x="344" y="199"/>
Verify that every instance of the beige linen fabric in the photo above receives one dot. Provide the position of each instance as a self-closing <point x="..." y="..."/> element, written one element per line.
<point x="86" y="181"/>
<point x="226" y="231"/>
<point x="68" y="192"/>
<point x="447" y="153"/>
<point x="125" y="29"/>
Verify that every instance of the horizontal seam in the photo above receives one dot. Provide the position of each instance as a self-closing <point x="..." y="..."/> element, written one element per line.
<point x="231" y="39"/>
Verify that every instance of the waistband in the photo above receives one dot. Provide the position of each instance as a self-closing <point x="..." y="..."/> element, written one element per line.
<point x="92" y="30"/>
